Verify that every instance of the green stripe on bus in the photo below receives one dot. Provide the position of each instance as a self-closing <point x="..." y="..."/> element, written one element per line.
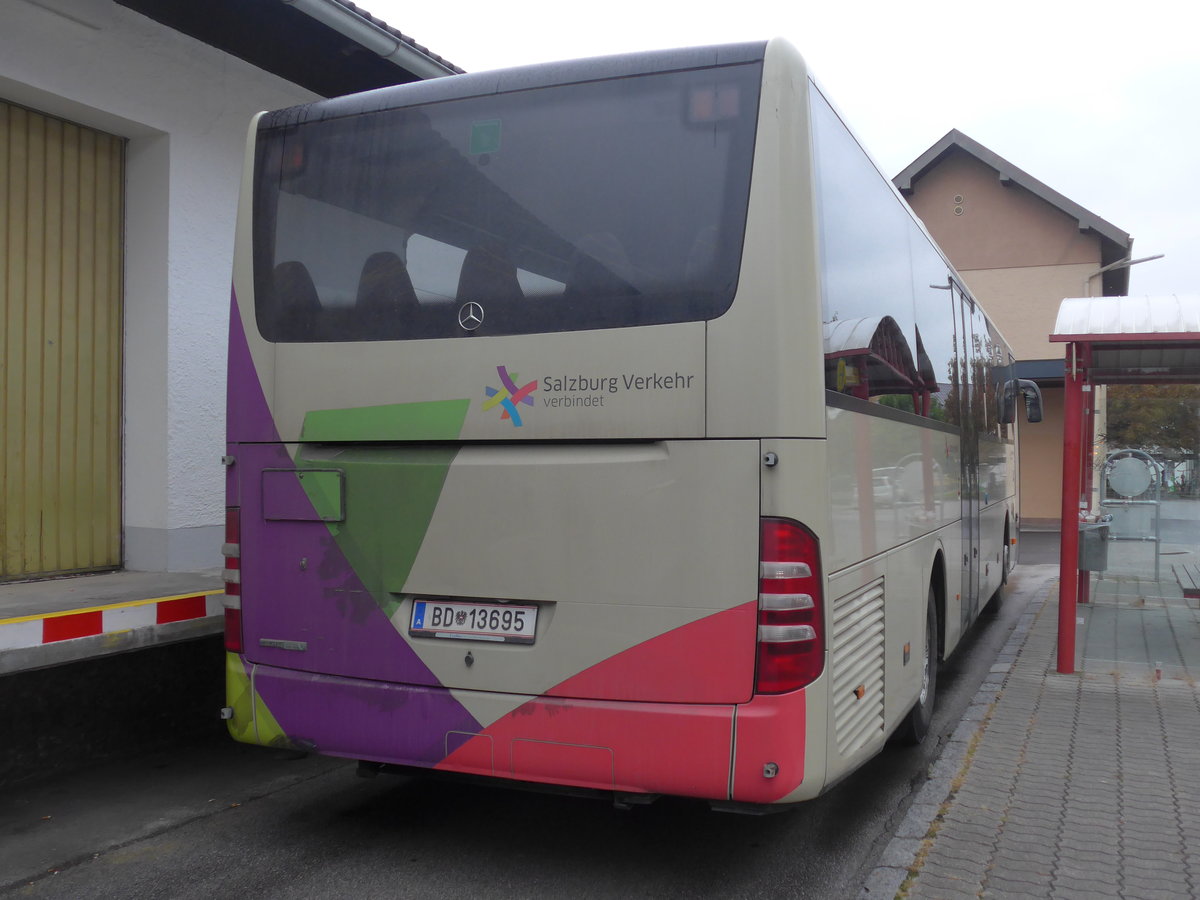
<point x="439" y="420"/>
<point x="324" y="490"/>
<point x="391" y="492"/>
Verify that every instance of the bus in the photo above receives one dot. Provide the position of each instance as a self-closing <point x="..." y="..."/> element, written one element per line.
<point x="610" y="425"/>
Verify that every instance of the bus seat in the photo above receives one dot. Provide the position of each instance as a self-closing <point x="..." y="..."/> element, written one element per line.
<point x="295" y="306"/>
<point x="386" y="300"/>
<point x="488" y="275"/>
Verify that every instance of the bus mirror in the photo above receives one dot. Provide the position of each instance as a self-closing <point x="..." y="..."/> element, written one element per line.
<point x="1033" y="400"/>
<point x="1006" y="403"/>
<point x="1007" y="412"/>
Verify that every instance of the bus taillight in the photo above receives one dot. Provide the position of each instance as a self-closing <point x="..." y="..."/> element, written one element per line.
<point x="232" y="575"/>
<point x="791" y="634"/>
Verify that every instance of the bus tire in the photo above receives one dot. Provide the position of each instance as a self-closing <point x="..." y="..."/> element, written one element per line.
<point x="916" y="724"/>
<point x="1006" y="556"/>
<point x="997" y="599"/>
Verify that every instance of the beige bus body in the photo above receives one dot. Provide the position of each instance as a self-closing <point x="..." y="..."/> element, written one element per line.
<point x="629" y="507"/>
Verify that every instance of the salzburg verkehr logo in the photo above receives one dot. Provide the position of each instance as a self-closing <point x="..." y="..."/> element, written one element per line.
<point x="508" y="396"/>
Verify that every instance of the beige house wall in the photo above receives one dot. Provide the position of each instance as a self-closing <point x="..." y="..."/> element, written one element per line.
<point x="1041" y="463"/>
<point x="1041" y="459"/>
<point x="982" y="224"/>
<point x="1023" y="302"/>
<point x="1020" y="256"/>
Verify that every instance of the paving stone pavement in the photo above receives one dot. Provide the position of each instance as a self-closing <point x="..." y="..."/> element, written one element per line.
<point x="1062" y="786"/>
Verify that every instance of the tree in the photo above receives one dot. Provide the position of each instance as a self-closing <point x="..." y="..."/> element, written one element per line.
<point x="1163" y="419"/>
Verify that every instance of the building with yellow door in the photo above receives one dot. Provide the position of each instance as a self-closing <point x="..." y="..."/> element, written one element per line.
<point x="122" y="133"/>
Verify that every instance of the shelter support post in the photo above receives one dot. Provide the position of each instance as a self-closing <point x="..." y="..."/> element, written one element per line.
<point x="1072" y="471"/>
<point x="1087" y="464"/>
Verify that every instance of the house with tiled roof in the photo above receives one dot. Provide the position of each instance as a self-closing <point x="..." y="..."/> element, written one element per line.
<point x="1021" y="247"/>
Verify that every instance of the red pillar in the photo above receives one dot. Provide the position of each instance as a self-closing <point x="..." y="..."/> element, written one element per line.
<point x="1087" y="449"/>
<point x="1072" y="470"/>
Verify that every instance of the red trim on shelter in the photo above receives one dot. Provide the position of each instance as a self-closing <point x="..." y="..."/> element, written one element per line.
<point x="1146" y="337"/>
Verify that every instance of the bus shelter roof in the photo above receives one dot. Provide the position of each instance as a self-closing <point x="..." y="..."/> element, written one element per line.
<point x="1134" y="339"/>
<point x="1095" y="319"/>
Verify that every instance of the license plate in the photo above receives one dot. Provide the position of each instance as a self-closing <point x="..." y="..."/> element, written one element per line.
<point x="475" y="621"/>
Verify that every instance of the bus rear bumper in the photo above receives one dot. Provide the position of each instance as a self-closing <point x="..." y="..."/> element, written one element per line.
<point x="626" y="747"/>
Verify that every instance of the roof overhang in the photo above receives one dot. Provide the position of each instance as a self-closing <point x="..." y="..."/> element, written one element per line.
<point x="1046" y="372"/>
<point x="330" y="47"/>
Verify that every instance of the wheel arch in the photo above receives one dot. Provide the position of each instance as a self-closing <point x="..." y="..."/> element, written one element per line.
<point x="1006" y="550"/>
<point x="937" y="582"/>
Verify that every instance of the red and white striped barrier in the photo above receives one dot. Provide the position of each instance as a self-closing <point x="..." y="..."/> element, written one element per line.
<point x="118" y="618"/>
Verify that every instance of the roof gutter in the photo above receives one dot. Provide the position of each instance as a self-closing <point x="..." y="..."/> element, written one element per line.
<point x="1119" y="264"/>
<point x="350" y="24"/>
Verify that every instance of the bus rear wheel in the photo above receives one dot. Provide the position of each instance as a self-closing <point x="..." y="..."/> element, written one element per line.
<point x="994" y="601"/>
<point x="916" y="724"/>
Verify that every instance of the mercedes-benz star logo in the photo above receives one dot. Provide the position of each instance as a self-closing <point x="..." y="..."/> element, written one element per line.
<point x="470" y="316"/>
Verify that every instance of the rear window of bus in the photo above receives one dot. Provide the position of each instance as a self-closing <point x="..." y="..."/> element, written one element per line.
<point x="603" y="204"/>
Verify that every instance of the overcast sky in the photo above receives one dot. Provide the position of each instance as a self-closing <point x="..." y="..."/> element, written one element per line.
<point x="1098" y="100"/>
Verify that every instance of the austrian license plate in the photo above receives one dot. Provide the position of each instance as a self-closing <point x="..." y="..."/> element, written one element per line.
<point x="475" y="621"/>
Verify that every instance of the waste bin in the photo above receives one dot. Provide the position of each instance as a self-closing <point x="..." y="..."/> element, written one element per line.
<point x="1093" y="547"/>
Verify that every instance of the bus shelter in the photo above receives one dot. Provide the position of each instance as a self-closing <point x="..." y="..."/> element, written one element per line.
<point x="1110" y="340"/>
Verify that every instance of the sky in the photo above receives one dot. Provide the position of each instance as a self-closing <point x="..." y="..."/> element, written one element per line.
<point x="1100" y="100"/>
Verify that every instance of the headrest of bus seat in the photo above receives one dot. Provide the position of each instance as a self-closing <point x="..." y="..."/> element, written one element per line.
<point x="386" y="302"/>
<point x="488" y="275"/>
<point x="295" y="305"/>
<point x="384" y="284"/>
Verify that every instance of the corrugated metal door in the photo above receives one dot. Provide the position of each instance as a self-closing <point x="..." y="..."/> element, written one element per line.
<point x="60" y="333"/>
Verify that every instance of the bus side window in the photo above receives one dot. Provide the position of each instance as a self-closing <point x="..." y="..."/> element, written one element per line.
<point x="600" y="266"/>
<point x="701" y="256"/>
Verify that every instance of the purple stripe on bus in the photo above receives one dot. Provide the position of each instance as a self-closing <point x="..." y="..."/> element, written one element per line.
<point x="319" y="598"/>
<point x="248" y="416"/>
<point x="326" y="604"/>
<point x="396" y="723"/>
<point x="280" y="500"/>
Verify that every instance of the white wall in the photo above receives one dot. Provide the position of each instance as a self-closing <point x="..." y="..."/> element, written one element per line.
<point x="185" y="108"/>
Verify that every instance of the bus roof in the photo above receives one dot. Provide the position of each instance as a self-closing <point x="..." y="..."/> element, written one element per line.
<point x="517" y="79"/>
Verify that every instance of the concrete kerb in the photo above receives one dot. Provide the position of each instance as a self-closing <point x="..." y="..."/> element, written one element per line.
<point x="902" y="858"/>
<point x="53" y="622"/>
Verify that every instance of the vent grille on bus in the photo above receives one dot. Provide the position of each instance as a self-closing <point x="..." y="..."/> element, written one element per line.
<point x="856" y="652"/>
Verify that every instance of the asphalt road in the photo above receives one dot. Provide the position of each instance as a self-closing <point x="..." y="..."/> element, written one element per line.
<point x="218" y="819"/>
